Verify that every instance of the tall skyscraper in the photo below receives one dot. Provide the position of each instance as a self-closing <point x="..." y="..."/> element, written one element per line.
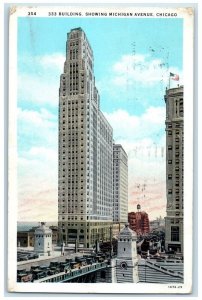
<point x="174" y="168"/>
<point x="85" y="183"/>
<point x="120" y="184"/>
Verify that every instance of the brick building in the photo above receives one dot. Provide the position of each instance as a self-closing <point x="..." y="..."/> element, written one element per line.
<point x="139" y="222"/>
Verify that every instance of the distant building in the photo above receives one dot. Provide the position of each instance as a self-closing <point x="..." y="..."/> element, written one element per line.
<point x="120" y="184"/>
<point x="26" y="237"/>
<point x="54" y="234"/>
<point x="139" y="222"/>
<point x="158" y="224"/>
<point x="174" y="169"/>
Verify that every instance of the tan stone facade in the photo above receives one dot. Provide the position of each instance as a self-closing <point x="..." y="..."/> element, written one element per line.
<point x="85" y="177"/>
<point x="120" y="184"/>
<point x="174" y="169"/>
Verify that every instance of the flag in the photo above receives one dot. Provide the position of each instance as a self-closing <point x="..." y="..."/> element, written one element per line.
<point x="174" y="76"/>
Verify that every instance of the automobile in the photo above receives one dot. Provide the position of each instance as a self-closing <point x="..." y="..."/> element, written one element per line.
<point x="32" y="256"/>
<point x="34" y="267"/>
<point x="21" y="271"/>
<point x="54" y="264"/>
<point x="89" y="261"/>
<point x="81" y="260"/>
<point x="68" y="260"/>
<point x="74" y="265"/>
<point x="24" y="257"/>
<point x="44" y="269"/>
<point x="64" y="267"/>
<point x="37" y="274"/>
<point x="24" y="277"/>
<point x="53" y="270"/>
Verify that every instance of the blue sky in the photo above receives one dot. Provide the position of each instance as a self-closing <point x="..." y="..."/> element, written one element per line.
<point x="132" y="60"/>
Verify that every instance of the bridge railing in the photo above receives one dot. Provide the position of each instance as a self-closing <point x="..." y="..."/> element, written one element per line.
<point x="163" y="269"/>
<point x="63" y="277"/>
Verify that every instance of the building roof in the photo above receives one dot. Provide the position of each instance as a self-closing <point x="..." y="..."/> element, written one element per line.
<point x="43" y="229"/>
<point x="127" y="232"/>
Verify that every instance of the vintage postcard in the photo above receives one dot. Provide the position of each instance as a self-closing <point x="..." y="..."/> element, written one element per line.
<point x="100" y="149"/>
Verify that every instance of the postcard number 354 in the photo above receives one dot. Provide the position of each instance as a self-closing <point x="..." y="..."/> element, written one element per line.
<point x="31" y="13"/>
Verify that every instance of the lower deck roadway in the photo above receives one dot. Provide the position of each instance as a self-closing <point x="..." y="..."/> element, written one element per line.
<point x="45" y="261"/>
<point x="72" y="274"/>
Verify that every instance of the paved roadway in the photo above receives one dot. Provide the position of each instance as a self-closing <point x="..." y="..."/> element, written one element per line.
<point x="45" y="261"/>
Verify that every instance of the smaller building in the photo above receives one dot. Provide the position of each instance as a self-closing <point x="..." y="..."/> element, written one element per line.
<point x="120" y="184"/>
<point x="43" y="240"/>
<point x="139" y="222"/>
<point x="26" y="236"/>
<point x="54" y="234"/>
<point x="157" y="224"/>
<point x="127" y="261"/>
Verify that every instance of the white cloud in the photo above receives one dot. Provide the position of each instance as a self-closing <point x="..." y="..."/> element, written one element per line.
<point x="42" y="63"/>
<point x="44" y="153"/>
<point x="37" y="129"/>
<point x="53" y="61"/>
<point x="137" y="80"/>
<point x="154" y="116"/>
<point x="141" y="69"/>
<point x="41" y="118"/>
<point x="130" y="127"/>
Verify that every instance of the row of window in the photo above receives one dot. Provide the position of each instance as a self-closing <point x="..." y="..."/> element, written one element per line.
<point x="178" y="125"/>
<point x="177" y="161"/>
<point x="42" y="235"/>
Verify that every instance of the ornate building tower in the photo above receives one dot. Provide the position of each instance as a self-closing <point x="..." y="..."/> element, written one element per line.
<point x="85" y="187"/>
<point x="43" y="240"/>
<point x="127" y="261"/>
<point x="174" y="168"/>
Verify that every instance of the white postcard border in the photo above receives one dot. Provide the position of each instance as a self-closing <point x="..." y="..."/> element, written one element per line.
<point x="188" y="154"/>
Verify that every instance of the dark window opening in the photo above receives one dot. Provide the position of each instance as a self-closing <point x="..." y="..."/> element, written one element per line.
<point x="175" y="234"/>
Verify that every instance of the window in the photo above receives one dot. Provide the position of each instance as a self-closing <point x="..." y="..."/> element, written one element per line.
<point x="175" y="233"/>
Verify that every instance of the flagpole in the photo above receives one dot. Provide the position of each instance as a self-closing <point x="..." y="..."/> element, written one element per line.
<point x="169" y="82"/>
